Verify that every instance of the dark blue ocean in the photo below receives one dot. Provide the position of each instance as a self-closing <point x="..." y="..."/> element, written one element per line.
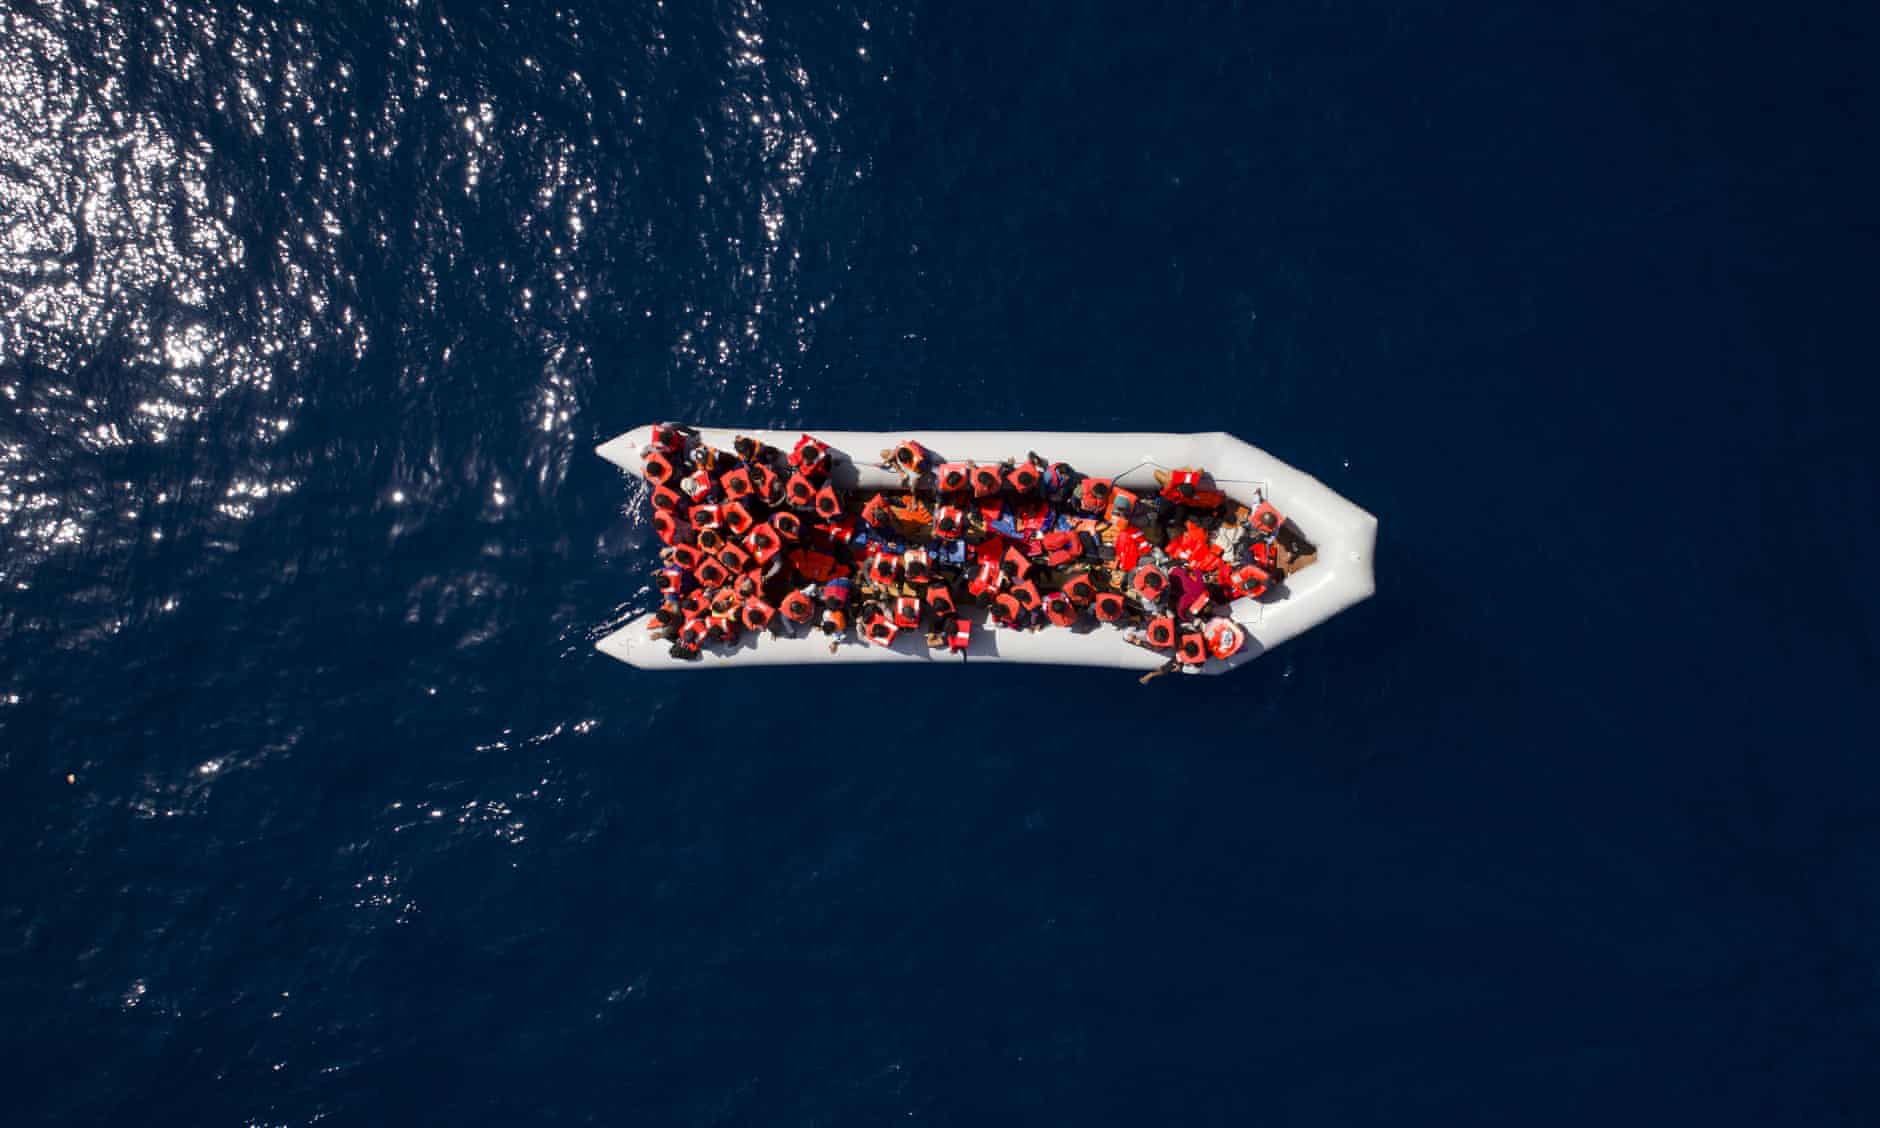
<point x="318" y="806"/>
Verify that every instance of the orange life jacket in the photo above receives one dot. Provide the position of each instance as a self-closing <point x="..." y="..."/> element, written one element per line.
<point x="986" y="481"/>
<point x="704" y="516"/>
<point x="1193" y="650"/>
<point x="949" y="523"/>
<point x="667" y="526"/>
<point x="1024" y="478"/>
<point x="954" y="476"/>
<point x="1250" y="580"/>
<point x="1080" y="589"/>
<point x="747" y="586"/>
<point x="940" y="598"/>
<point x="694" y="632"/>
<point x="817" y="567"/>
<point x="962" y="635"/>
<point x="734" y="558"/>
<point x="881" y="567"/>
<point x="686" y="556"/>
<point x="1108" y="606"/>
<point x="764" y="542"/>
<point x="788" y="525"/>
<point x="711" y="573"/>
<point x="701" y="486"/>
<point x="1267" y="519"/>
<point x="1058" y="609"/>
<point x="1060" y="548"/>
<point x="1021" y="565"/>
<point x="728" y="628"/>
<point x="696" y="602"/>
<point x="1027" y="595"/>
<point x="1149" y="583"/>
<point x="1224" y="638"/>
<point x="797" y="607"/>
<point x="769" y="484"/>
<point x="658" y="468"/>
<point x="875" y="512"/>
<point x="907" y="612"/>
<point x="833" y="618"/>
<point x="757" y="614"/>
<point x="910" y="455"/>
<point x="1162" y="632"/>
<point x="737" y="517"/>
<point x="986" y="577"/>
<point x="736" y="484"/>
<point x="664" y="497"/>
<point x="828" y="505"/>
<point x="1123" y="504"/>
<point x="669" y="580"/>
<point x="710" y="540"/>
<point x="1007" y="607"/>
<point x="800" y="491"/>
<point x="1093" y="494"/>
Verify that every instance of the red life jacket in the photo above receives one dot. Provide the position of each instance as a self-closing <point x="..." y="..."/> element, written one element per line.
<point x="757" y="614"/>
<point x="1194" y="540"/>
<point x="764" y="542"/>
<point x="1193" y="650"/>
<point x="658" y="468"/>
<point x="949" y="523"/>
<point x="1130" y="545"/>
<point x="1123" y="504"/>
<point x="1024" y="478"/>
<point x="881" y="568"/>
<point x="1149" y="583"/>
<point x="1080" y="590"/>
<point x="962" y="635"/>
<point x="665" y="497"/>
<point x="734" y="558"/>
<point x="986" y="577"/>
<point x="669" y="581"/>
<point x="1224" y="638"/>
<point x="1108" y="606"/>
<point x="986" y="481"/>
<point x="788" y="525"/>
<point x="694" y="632"/>
<point x="1058" y="609"/>
<point x="800" y="491"/>
<point x="940" y="598"/>
<point x="1267" y="519"/>
<point x="1162" y="632"/>
<point x="907" y="612"/>
<point x="797" y="607"/>
<point x="699" y="486"/>
<point x="736" y="484"/>
<point x="1250" y="580"/>
<point x="880" y="631"/>
<point x="737" y="517"/>
<point x="668" y="526"/>
<point x="686" y="556"/>
<point x="954" y="476"/>
<point x="704" y="516"/>
<point x="1027" y="595"/>
<point x="810" y="457"/>
<point x="1264" y="554"/>
<point x="875" y="512"/>
<point x="1179" y="478"/>
<point x="1061" y="548"/>
<point x="828" y="505"/>
<point x="1093" y="494"/>
<point x="667" y="438"/>
<point x="1032" y="516"/>
<point x="711" y="573"/>
<point x="911" y="456"/>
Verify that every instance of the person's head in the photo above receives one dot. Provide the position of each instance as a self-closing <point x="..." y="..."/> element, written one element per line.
<point x="745" y="446"/>
<point x="1008" y="567"/>
<point x="1186" y="489"/>
<point x="829" y="626"/>
<point x="905" y="456"/>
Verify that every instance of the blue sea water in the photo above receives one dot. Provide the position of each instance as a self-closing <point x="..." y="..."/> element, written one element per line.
<point x="320" y="807"/>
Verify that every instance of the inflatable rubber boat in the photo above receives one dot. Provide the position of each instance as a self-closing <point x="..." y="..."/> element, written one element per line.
<point x="1339" y="576"/>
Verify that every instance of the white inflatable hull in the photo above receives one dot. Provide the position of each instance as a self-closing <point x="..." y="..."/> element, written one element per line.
<point x="1341" y="576"/>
